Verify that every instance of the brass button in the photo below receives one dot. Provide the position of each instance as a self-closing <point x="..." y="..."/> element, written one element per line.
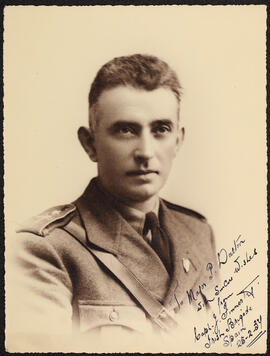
<point x="114" y="316"/>
<point x="162" y="315"/>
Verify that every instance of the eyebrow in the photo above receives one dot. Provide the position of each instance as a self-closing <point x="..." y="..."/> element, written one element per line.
<point x="168" y="122"/>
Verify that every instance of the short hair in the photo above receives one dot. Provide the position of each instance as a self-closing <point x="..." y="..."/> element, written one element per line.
<point x="139" y="71"/>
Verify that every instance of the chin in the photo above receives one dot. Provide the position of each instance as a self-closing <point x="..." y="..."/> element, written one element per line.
<point x="141" y="194"/>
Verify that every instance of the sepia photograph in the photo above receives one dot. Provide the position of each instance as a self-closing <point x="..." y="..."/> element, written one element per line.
<point x="135" y="179"/>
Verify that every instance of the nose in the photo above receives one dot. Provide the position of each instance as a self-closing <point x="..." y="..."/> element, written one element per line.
<point x="144" y="150"/>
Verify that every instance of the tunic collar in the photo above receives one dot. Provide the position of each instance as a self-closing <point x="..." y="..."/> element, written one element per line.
<point x="107" y="229"/>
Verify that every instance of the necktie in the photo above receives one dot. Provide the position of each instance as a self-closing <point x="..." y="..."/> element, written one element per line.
<point x="160" y="242"/>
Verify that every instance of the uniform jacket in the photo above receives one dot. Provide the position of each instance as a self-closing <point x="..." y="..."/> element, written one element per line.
<point x="64" y="288"/>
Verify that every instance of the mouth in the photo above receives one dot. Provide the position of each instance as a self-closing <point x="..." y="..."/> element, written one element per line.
<point x="141" y="172"/>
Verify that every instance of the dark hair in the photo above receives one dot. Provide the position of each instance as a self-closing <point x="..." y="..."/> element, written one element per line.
<point x="139" y="71"/>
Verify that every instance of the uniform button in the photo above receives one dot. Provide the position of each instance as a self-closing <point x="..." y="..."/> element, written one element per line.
<point x="162" y="315"/>
<point x="114" y="316"/>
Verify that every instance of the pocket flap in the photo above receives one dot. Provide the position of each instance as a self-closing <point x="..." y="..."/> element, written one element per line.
<point x="96" y="316"/>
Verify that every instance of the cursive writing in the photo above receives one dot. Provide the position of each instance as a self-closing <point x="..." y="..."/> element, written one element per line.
<point x="232" y="321"/>
<point x="248" y="290"/>
<point x="223" y="255"/>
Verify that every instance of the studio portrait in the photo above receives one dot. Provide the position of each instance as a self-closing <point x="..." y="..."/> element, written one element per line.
<point x="135" y="179"/>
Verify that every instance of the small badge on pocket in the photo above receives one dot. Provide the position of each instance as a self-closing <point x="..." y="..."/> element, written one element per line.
<point x="186" y="264"/>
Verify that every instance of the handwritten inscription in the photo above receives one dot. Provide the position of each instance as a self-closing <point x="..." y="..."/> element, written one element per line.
<point x="223" y="255"/>
<point x="234" y="329"/>
<point x="235" y="320"/>
<point x="242" y="263"/>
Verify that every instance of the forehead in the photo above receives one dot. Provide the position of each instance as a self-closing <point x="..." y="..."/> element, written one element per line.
<point x="128" y="103"/>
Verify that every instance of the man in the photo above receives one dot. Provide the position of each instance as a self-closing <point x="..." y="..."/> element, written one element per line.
<point x="119" y="258"/>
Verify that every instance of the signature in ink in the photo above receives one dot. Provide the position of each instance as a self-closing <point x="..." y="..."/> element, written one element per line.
<point x="232" y="322"/>
<point x="223" y="307"/>
<point x="248" y="290"/>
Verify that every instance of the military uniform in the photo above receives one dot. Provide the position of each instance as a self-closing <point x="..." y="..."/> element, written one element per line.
<point x="64" y="288"/>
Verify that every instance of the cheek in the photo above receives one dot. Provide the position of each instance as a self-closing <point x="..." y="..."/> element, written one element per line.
<point x="168" y="153"/>
<point x="111" y="154"/>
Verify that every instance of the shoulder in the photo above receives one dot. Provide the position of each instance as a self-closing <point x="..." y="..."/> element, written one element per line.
<point x="196" y="229"/>
<point x="184" y="211"/>
<point x="43" y="223"/>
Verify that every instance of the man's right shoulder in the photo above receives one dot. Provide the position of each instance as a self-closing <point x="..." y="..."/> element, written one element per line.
<point x="43" y="223"/>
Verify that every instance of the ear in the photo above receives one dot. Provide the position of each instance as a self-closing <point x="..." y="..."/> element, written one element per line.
<point x="88" y="143"/>
<point x="180" y="138"/>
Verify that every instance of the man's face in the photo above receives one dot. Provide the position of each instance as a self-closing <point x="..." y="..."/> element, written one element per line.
<point x="135" y="141"/>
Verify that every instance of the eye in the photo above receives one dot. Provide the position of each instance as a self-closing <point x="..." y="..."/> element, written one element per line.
<point x="162" y="130"/>
<point x="125" y="131"/>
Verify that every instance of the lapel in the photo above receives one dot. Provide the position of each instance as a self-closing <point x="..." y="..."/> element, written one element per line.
<point x="186" y="263"/>
<point x="108" y="230"/>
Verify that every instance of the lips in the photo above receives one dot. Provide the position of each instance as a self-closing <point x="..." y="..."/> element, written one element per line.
<point x="141" y="172"/>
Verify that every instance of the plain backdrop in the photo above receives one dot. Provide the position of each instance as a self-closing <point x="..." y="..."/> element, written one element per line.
<point x="51" y="55"/>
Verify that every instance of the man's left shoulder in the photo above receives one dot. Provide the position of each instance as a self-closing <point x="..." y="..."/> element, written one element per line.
<point x="193" y="229"/>
<point x="185" y="212"/>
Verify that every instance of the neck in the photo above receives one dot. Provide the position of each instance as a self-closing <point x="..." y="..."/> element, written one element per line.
<point x="145" y="206"/>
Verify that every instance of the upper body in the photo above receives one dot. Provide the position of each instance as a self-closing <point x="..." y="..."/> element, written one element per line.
<point x="64" y="289"/>
<point x="134" y="135"/>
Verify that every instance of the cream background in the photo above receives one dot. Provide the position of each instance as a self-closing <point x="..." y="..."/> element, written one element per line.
<point x="51" y="55"/>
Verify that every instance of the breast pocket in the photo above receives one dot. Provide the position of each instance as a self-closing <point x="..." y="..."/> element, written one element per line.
<point x="93" y="317"/>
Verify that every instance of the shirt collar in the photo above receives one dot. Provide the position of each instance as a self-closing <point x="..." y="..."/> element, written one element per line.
<point x="135" y="217"/>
